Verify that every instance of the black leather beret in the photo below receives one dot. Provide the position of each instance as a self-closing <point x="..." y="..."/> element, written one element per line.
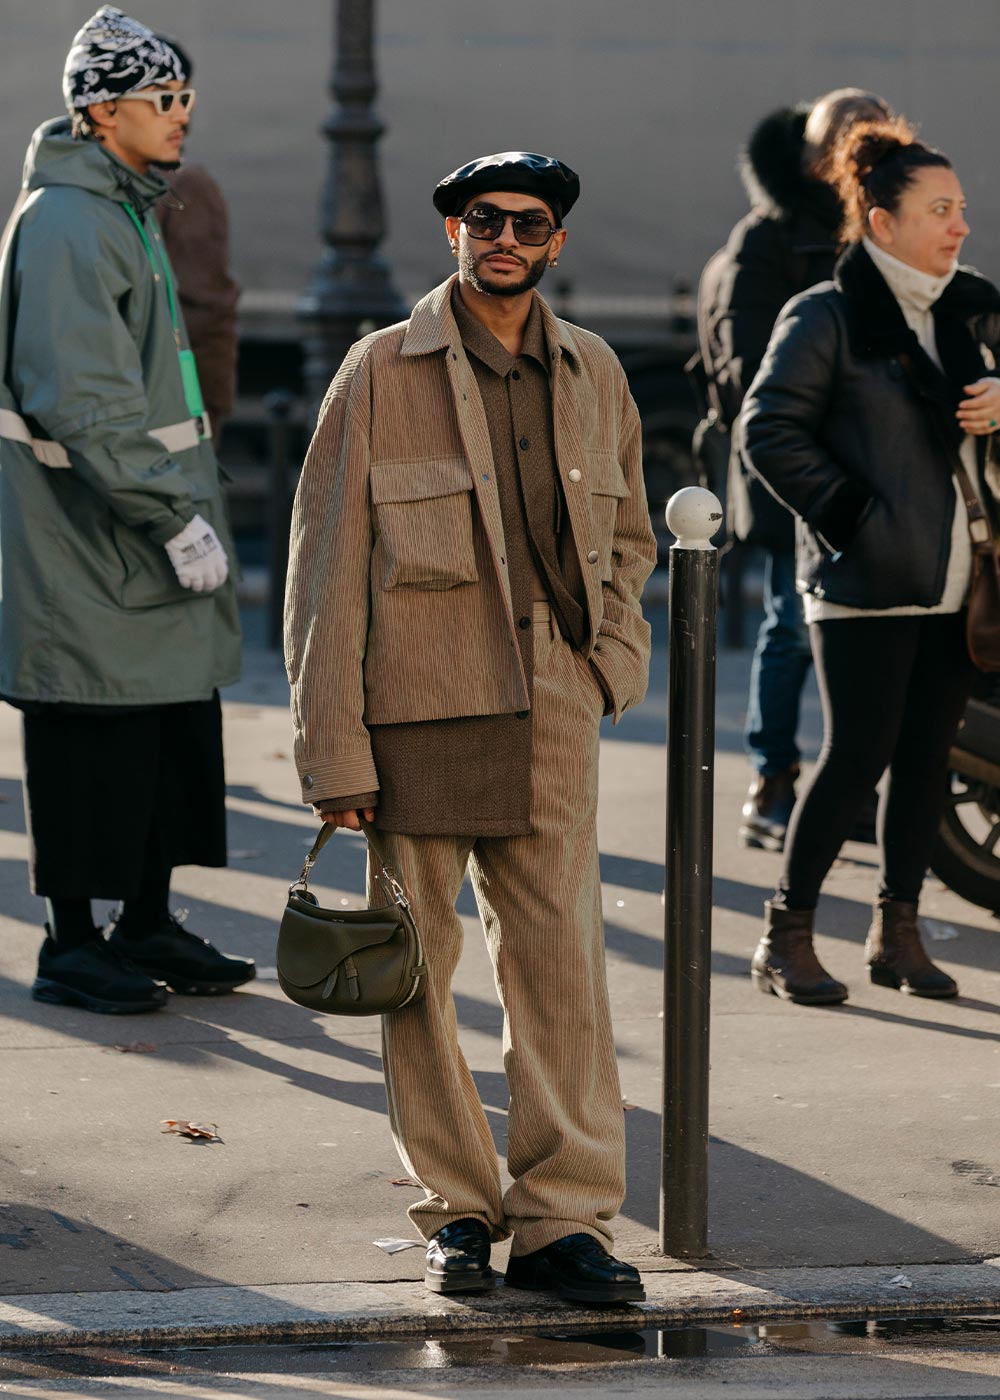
<point x="522" y="171"/>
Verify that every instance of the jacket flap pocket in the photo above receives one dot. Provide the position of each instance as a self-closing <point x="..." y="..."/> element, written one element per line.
<point x="605" y="475"/>
<point x="418" y="481"/>
<point x="310" y="949"/>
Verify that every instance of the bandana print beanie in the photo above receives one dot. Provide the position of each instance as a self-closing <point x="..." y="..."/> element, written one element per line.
<point x="113" y="55"/>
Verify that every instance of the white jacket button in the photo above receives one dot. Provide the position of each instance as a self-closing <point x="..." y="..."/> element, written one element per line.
<point x="593" y="557"/>
<point x="575" y="474"/>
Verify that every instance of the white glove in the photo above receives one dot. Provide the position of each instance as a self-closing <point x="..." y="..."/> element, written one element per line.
<point x="198" y="558"/>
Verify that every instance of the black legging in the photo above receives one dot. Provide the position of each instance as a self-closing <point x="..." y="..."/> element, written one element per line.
<point x="893" y="691"/>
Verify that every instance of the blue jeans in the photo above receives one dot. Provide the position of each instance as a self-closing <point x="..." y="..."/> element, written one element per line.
<point x="780" y="664"/>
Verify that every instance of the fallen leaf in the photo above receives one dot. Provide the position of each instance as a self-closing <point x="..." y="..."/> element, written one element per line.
<point x="900" y="1281"/>
<point x="196" y="1131"/>
<point x="278" y="754"/>
<point x="392" y="1246"/>
<point x="403" y="1181"/>
<point x="135" y="1047"/>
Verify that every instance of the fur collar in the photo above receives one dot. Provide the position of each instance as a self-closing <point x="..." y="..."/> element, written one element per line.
<point x="775" y="181"/>
<point x="877" y="329"/>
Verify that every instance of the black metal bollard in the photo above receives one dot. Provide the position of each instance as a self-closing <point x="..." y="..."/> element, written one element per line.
<point x="693" y="515"/>
<point x="279" y="404"/>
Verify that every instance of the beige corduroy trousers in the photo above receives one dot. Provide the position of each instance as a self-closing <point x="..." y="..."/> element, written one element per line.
<point x="539" y="898"/>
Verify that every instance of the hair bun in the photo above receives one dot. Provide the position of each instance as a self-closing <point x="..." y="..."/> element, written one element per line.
<point x="871" y="166"/>
<point x="865" y="144"/>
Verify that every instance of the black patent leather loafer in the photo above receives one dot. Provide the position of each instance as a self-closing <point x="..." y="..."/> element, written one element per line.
<point x="458" y="1258"/>
<point x="579" y="1269"/>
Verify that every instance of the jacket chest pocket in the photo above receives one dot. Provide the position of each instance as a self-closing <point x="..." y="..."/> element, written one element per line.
<point x="423" y="513"/>
<point x="607" y="487"/>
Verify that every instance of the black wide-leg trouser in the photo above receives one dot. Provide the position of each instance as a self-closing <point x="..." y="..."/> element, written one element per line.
<point x="893" y="691"/>
<point x="112" y="796"/>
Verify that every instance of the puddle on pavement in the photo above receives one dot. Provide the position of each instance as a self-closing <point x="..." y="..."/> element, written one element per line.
<point x="818" y="1337"/>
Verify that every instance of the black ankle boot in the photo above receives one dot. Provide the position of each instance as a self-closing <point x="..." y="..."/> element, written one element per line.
<point x="458" y="1258"/>
<point x="767" y="810"/>
<point x="896" y="956"/>
<point x="786" y="964"/>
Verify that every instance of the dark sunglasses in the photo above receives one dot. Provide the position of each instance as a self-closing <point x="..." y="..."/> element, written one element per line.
<point x="486" y="222"/>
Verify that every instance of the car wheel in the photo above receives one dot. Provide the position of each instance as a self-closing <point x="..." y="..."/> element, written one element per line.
<point x="967" y="854"/>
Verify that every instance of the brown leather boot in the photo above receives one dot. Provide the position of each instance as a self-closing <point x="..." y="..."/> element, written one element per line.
<point x="786" y="964"/>
<point x="767" y="809"/>
<point x="896" y="956"/>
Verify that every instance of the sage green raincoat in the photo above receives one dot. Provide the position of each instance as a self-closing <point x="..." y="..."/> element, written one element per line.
<point x="101" y="458"/>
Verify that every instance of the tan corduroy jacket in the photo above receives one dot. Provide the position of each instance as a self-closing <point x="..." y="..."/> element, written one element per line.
<point x="388" y="619"/>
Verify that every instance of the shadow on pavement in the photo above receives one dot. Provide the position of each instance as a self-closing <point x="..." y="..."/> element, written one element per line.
<point x="767" y="1214"/>
<point x="67" y="1254"/>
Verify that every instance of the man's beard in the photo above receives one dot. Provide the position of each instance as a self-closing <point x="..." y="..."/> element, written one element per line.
<point x="533" y="274"/>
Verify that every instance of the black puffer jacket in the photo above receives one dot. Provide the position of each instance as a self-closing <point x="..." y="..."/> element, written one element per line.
<point x="859" y="442"/>
<point x="787" y="242"/>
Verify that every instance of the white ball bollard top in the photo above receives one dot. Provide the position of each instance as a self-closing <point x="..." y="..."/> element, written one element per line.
<point x="694" y="515"/>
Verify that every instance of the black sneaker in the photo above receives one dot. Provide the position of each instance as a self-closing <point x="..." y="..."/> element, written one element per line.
<point x="188" y="964"/>
<point x="97" y="977"/>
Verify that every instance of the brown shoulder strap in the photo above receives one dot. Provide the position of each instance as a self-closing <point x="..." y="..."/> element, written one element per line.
<point x="980" y="530"/>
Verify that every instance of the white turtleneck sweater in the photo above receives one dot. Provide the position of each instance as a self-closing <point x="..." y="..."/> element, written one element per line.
<point x="916" y="293"/>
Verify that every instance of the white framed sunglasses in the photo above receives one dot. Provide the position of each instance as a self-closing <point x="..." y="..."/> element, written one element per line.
<point x="163" y="99"/>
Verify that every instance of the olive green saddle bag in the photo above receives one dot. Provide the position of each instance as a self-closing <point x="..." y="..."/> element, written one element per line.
<point x="350" y="962"/>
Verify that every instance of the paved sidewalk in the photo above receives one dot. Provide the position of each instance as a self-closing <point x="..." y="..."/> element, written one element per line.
<point x="864" y="1136"/>
<point x="215" y="1315"/>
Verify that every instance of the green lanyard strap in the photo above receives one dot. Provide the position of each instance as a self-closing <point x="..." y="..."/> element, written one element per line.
<point x="188" y="368"/>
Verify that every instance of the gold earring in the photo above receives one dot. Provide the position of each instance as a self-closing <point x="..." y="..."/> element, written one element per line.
<point x="553" y="262"/>
<point x="454" y="250"/>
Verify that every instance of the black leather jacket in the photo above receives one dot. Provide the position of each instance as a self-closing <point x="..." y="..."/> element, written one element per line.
<point x="852" y="426"/>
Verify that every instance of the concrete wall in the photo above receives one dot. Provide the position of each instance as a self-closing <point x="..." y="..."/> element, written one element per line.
<point x="648" y="99"/>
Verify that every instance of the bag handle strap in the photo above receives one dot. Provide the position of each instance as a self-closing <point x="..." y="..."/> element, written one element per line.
<point x="980" y="530"/>
<point x="396" y="890"/>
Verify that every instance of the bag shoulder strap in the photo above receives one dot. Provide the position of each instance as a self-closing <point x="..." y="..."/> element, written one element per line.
<point x="980" y="529"/>
<point x="377" y="850"/>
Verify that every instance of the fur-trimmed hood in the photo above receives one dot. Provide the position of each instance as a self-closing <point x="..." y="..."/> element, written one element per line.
<point x="771" y="169"/>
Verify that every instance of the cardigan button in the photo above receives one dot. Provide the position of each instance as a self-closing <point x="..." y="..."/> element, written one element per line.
<point x="593" y="557"/>
<point x="575" y="474"/>
<point x="308" y="781"/>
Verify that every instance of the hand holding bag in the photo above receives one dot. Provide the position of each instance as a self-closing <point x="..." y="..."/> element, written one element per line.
<point x="350" y="962"/>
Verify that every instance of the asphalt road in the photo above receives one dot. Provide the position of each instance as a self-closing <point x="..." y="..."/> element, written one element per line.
<point x="817" y="1361"/>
